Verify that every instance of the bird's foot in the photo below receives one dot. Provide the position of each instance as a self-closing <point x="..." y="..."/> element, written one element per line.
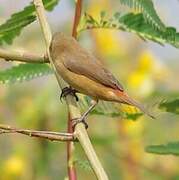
<point x="68" y="90"/>
<point x="75" y="121"/>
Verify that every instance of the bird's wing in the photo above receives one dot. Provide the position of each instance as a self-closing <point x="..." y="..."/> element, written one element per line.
<point x="84" y="63"/>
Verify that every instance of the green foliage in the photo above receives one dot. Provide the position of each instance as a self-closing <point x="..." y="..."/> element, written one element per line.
<point x="83" y="164"/>
<point x="23" y="72"/>
<point x="134" y="23"/>
<point x="101" y="140"/>
<point x="148" y="11"/>
<point x="109" y="109"/>
<point x="170" y="148"/>
<point x="13" y="26"/>
<point x="170" y="106"/>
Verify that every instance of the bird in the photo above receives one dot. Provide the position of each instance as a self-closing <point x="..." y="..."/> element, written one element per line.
<point x="86" y="74"/>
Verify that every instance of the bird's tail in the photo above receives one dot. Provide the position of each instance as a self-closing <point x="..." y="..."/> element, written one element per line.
<point x="128" y="100"/>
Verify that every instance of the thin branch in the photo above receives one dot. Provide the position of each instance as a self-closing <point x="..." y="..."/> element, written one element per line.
<point x="10" y="55"/>
<point x="77" y="17"/>
<point x="53" y="136"/>
<point x="46" y="32"/>
<point x="43" y="22"/>
<point x="72" y="175"/>
<point x="80" y="130"/>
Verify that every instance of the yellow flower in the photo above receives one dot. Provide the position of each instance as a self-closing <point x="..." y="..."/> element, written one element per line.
<point x="133" y="128"/>
<point x="136" y="78"/>
<point x="141" y="82"/>
<point x="146" y="62"/>
<point x="128" y="109"/>
<point x="13" y="166"/>
<point x="96" y="7"/>
<point x="141" y="78"/>
<point x="107" y="40"/>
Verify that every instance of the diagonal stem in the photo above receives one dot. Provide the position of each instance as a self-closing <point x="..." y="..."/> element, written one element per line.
<point x="80" y="130"/>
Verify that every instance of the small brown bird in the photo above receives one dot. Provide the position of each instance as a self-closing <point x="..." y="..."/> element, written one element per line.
<point x="86" y="74"/>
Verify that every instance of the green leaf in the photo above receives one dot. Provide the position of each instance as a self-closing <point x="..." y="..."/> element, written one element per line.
<point x="102" y="14"/>
<point x="146" y="7"/>
<point x="170" y="106"/>
<point x="13" y="26"/>
<point x="134" y="23"/>
<point x="23" y="72"/>
<point x="109" y="109"/>
<point x="170" y="148"/>
<point x="83" y="164"/>
<point x="133" y="116"/>
<point x="104" y="140"/>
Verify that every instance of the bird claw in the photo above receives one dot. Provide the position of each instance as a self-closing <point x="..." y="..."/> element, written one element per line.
<point x="68" y="90"/>
<point x="75" y="121"/>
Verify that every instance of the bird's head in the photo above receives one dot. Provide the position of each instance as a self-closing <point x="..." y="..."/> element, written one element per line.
<point x="61" y="43"/>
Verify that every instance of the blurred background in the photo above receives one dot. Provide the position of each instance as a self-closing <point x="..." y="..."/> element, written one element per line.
<point x="147" y="70"/>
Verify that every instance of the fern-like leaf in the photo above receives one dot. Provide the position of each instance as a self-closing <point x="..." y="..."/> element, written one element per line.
<point x="134" y="23"/>
<point x="13" y="26"/>
<point x="170" y="148"/>
<point x="23" y="72"/>
<point x="146" y="7"/>
<point x="110" y="109"/>
<point x="170" y="106"/>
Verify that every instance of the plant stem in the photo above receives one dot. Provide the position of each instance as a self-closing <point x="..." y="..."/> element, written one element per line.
<point x="70" y="145"/>
<point x="80" y="131"/>
<point x="53" y="136"/>
<point x="77" y="17"/>
<point x="10" y="55"/>
<point x="70" y="154"/>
